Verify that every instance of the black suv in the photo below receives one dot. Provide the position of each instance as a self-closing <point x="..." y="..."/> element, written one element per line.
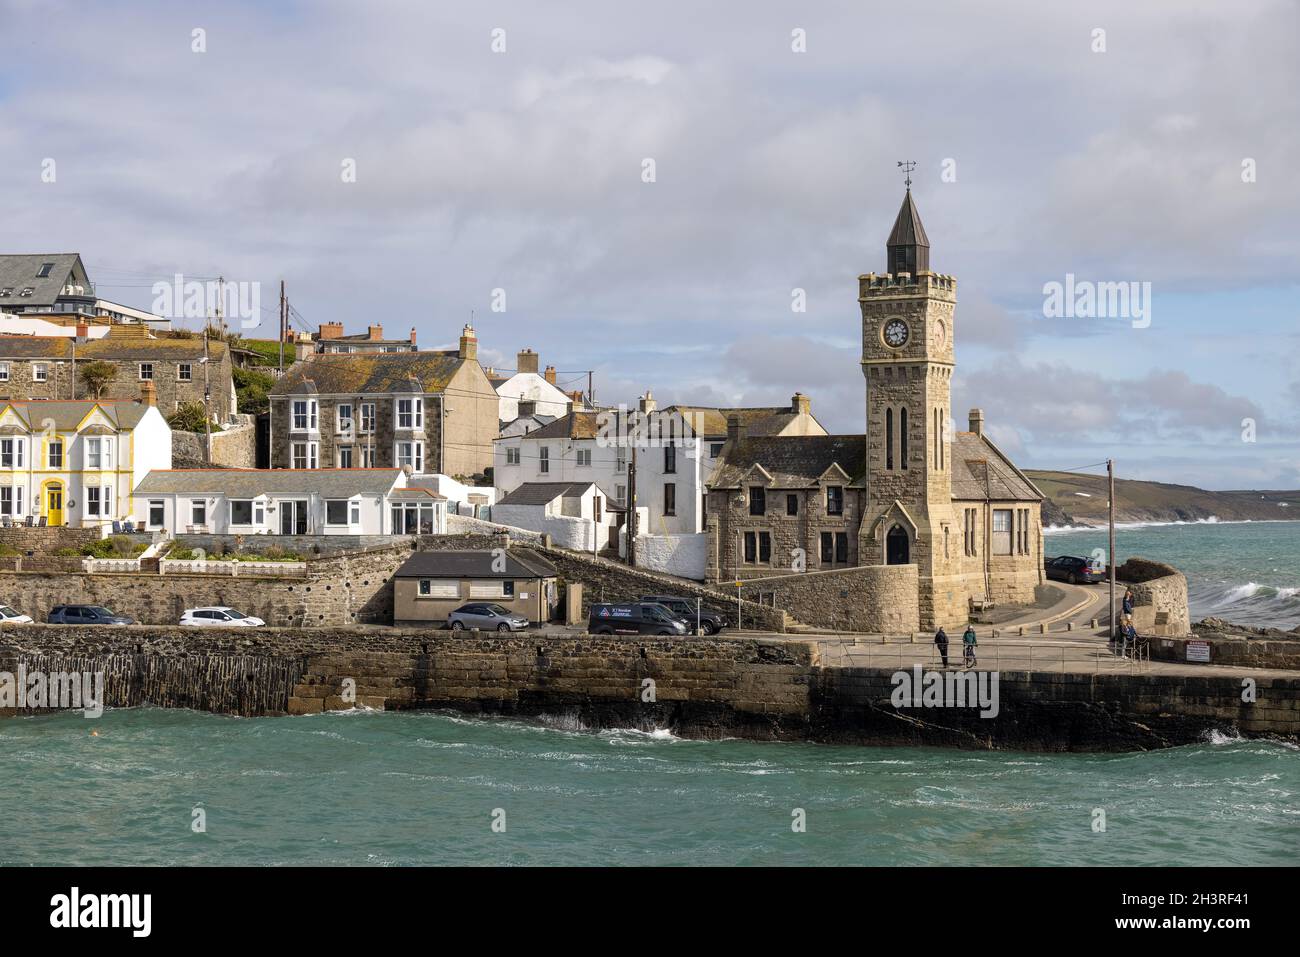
<point x="1072" y="569"/>
<point x="711" y="621"/>
<point x="86" y="615"/>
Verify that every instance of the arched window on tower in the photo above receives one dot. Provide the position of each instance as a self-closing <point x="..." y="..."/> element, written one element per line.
<point x="889" y="440"/>
<point x="902" y="438"/>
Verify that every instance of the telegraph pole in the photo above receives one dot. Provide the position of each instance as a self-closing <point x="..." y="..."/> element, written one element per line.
<point x="1110" y="481"/>
<point x="631" y="509"/>
<point x="207" y="403"/>
<point x="284" y="315"/>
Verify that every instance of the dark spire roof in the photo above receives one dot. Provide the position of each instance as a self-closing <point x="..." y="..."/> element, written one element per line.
<point x="908" y="248"/>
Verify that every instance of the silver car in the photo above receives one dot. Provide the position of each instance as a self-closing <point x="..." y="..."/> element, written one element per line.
<point x="486" y="617"/>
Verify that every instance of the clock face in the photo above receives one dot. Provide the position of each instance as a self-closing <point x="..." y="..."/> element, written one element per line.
<point x="940" y="333"/>
<point x="896" y="333"/>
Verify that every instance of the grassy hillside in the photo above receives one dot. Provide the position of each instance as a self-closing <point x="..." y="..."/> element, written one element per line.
<point x="1081" y="499"/>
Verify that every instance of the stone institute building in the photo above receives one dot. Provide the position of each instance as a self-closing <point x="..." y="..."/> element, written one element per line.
<point x="912" y="491"/>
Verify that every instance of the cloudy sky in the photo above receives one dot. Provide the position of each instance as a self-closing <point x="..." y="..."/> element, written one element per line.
<point x="1170" y="158"/>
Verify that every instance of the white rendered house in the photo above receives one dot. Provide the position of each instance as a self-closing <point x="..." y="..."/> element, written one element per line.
<point x="288" y="502"/>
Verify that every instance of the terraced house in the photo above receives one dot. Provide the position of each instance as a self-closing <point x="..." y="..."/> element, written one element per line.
<point x="77" y="462"/>
<point x="45" y="367"/>
<point x="434" y="412"/>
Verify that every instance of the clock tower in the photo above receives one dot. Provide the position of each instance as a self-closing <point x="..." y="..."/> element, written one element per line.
<point x="907" y="360"/>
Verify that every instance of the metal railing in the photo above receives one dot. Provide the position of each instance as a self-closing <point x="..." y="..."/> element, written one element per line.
<point x="1055" y="657"/>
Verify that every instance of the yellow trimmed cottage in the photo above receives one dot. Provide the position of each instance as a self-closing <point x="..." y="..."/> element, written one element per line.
<point x="76" y="462"/>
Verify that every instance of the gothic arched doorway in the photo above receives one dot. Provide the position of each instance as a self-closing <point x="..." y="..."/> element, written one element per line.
<point x="896" y="547"/>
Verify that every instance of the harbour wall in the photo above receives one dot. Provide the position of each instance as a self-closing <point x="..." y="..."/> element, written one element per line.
<point x="751" y="688"/>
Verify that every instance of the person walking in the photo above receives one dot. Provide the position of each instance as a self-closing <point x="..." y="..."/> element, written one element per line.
<point x="1128" y="605"/>
<point x="941" y="641"/>
<point x="968" y="646"/>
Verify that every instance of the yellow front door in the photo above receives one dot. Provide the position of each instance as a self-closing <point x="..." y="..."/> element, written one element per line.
<point x="54" y="504"/>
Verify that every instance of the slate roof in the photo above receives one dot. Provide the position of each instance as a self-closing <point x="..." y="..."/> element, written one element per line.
<point x="540" y="493"/>
<point x="360" y="373"/>
<point x="980" y="471"/>
<point x="249" y="483"/>
<point x="793" y="461"/>
<point x="474" y="564"/>
<point x="66" y="414"/>
<point x="908" y="230"/>
<point x="19" y="272"/>
<point x="712" y="422"/>
<point x="123" y="341"/>
<point x="573" y="425"/>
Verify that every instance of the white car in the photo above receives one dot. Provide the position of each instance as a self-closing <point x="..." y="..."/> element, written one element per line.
<point x="10" y="617"/>
<point x="219" y="615"/>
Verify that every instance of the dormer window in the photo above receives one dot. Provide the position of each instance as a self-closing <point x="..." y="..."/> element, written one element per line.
<point x="757" y="500"/>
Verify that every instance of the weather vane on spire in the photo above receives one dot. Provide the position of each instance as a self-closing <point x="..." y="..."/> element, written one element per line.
<point x="907" y="167"/>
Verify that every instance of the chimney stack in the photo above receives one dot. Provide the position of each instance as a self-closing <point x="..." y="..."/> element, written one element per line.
<point x="549" y="374"/>
<point x="375" y="333"/>
<point x="648" y="403"/>
<point x="468" y="343"/>
<point x="800" y="404"/>
<point x="526" y="361"/>
<point x="733" y="428"/>
<point x="148" y="393"/>
<point x="83" y="330"/>
<point x="330" y="330"/>
<point x="977" y="421"/>
<point x="412" y="335"/>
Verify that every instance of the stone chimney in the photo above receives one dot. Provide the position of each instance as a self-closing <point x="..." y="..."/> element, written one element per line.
<point x="526" y="361"/>
<point x="733" y="428"/>
<point x="468" y="343"/>
<point x="800" y="404"/>
<point x="549" y="374"/>
<point x="412" y="335"/>
<point x="148" y="393"/>
<point x="977" y="421"/>
<point x="330" y="330"/>
<point x="375" y="333"/>
<point x="648" y="403"/>
<point x="527" y="407"/>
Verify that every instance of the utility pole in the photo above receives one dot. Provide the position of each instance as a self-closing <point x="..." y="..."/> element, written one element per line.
<point x="1110" y="481"/>
<point x="591" y="390"/>
<point x="284" y="316"/>
<point x="207" y="403"/>
<point x="631" y="509"/>
<point x="221" y="305"/>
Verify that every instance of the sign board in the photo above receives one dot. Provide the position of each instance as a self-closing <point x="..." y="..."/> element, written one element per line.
<point x="738" y="584"/>
<point x="1198" y="651"/>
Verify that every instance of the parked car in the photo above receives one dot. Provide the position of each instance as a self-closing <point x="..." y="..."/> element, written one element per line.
<point x="1072" y="569"/>
<point x="220" y="615"/>
<point x="486" y="616"/>
<point x="86" y="615"/>
<point x="634" y="618"/>
<point x="10" y="617"/>
<point x="711" y="621"/>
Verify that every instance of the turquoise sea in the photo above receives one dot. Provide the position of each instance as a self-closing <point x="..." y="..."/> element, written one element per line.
<point x="425" y="788"/>
<point x="1246" y="572"/>
<point x="411" y="788"/>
